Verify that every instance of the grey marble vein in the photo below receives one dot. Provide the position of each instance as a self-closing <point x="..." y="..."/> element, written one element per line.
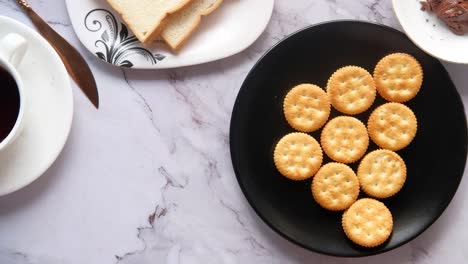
<point x="146" y="106"/>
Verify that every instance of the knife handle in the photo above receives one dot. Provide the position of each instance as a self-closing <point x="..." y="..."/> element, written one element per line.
<point x="79" y="70"/>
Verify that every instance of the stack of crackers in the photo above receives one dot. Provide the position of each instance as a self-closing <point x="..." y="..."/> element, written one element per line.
<point x="352" y="90"/>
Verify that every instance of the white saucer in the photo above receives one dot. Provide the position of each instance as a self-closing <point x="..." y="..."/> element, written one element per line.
<point x="430" y="33"/>
<point x="231" y="28"/>
<point x="48" y="115"/>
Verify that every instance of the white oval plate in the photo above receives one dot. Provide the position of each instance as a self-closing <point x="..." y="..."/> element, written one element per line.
<point x="48" y="115"/>
<point x="234" y="26"/>
<point x="430" y="33"/>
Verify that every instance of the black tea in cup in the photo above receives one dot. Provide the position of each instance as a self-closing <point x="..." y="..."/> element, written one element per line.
<point x="9" y="103"/>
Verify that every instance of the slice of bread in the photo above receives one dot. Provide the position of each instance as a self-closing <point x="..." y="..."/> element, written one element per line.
<point x="182" y="24"/>
<point x="145" y="18"/>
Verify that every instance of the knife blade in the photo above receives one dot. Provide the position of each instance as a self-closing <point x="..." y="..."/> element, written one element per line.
<point x="71" y="58"/>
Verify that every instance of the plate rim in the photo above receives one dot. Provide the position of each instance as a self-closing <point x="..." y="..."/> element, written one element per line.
<point x="419" y="45"/>
<point x="204" y="59"/>
<point x="234" y="150"/>
<point x="55" y="57"/>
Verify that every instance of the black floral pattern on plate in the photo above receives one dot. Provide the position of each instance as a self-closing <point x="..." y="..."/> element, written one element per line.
<point x="119" y="46"/>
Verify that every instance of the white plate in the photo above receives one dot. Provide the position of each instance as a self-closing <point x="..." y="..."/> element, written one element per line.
<point x="430" y="33"/>
<point x="234" y="26"/>
<point x="48" y="115"/>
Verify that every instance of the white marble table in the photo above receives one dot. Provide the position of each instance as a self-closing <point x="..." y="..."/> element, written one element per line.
<point x="148" y="178"/>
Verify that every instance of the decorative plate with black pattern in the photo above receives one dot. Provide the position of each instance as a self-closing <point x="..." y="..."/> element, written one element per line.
<point x="233" y="27"/>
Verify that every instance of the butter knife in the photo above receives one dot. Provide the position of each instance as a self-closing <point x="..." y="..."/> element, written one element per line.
<point x="72" y="59"/>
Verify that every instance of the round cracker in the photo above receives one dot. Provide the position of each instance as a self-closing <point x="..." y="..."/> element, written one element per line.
<point x="335" y="186"/>
<point x="344" y="139"/>
<point x="398" y="77"/>
<point x="298" y="156"/>
<point x="382" y="173"/>
<point x="306" y="107"/>
<point x="392" y="126"/>
<point x="351" y="90"/>
<point x="368" y="222"/>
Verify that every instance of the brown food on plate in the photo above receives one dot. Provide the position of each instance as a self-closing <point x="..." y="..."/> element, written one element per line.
<point x="454" y="13"/>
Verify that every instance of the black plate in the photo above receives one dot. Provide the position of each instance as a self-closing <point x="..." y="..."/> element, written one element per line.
<point x="435" y="159"/>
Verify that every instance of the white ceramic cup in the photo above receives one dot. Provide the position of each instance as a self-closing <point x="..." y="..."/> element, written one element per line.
<point x="13" y="47"/>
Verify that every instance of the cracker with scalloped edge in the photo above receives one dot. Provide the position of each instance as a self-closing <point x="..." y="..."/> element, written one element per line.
<point x="298" y="156"/>
<point x="368" y="222"/>
<point x="398" y="77"/>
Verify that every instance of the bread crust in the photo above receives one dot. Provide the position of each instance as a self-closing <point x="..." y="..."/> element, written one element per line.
<point x="157" y="29"/>
<point x="194" y="26"/>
